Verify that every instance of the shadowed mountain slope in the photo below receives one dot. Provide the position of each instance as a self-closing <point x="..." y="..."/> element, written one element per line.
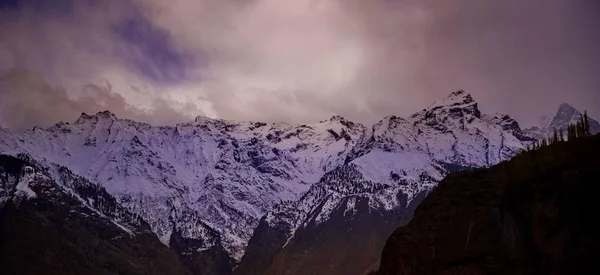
<point x="534" y="214"/>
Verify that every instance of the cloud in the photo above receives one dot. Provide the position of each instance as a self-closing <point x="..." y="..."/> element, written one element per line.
<point x="303" y="60"/>
<point x="26" y="100"/>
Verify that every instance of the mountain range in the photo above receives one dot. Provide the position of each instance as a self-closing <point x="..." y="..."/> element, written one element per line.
<point x="264" y="198"/>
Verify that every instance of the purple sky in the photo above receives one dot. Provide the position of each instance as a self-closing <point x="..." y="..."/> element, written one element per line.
<point x="297" y="60"/>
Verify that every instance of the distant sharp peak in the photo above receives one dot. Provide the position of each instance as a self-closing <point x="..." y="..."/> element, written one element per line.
<point x="566" y="106"/>
<point x="566" y="109"/>
<point x="565" y="115"/>
<point x="102" y="115"/>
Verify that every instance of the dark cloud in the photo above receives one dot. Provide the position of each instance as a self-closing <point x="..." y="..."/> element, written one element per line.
<point x="302" y="60"/>
<point x="149" y="50"/>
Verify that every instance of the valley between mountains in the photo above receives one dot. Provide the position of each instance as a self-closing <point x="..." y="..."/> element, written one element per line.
<point x="224" y="197"/>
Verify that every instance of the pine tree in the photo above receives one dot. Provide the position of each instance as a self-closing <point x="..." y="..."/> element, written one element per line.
<point x="581" y="126"/>
<point x="544" y="142"/>
<point x="561" y="135"/>
<point x="586" y="124"/>
<point x="555" y="137"/>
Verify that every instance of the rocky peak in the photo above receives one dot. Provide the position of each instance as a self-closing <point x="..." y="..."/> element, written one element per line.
<point x="336" y="118"/>
<point x="106" y="114"/>
<point x="103" y="115"/>
<point x="203" y="120"/>
<point x="341" y="120"/>
<point x="459" y="97"/>
<point x="565" y="107"/>
<point x="565" y="115"/>
<point x="457" y="105"/>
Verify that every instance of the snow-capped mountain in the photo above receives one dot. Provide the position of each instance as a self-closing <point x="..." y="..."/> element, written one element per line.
<point x="565" y="116"/>
<point x="403" y="159"/>
<point x="206" y="185"/>
<point x="210" y="180"/>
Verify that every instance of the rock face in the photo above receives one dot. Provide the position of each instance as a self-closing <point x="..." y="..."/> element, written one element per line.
<point x="53" y="222"/>
<point x="535" y="214"/>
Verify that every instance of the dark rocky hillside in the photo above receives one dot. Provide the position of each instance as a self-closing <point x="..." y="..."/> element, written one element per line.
<point x="534" y="214"/>
<point x="48" y="230"/>
<point x="345" y="244"/>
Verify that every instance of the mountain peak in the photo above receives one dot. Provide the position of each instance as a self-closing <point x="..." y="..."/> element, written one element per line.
<point x="458" y="93"/>
<point x="566" y="109"/>
<point x="565" y="115"/>
<point x="336" y="118"/>
<point x="203" y="120"/>
<point x="339" y="119"/>
<point x="455" y="99"/>
<point x="102" y="115"/>
<point x="455" y="105"/>
<point x="106" y="114"/>
<point x="460" y="96"/>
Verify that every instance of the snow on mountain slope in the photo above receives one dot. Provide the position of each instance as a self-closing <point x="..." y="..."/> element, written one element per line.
<point x="20" y="174"/>
<point x="53" y="221"/>
<point x="402" y="159"/>
<point x="196" y="178"/>
<point x="212" y="180"/>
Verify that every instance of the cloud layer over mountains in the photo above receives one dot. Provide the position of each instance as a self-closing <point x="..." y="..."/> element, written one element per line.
<point x="300" y="60"/>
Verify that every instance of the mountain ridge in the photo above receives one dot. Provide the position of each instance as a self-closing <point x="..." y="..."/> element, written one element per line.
<point x="212" y="181"/>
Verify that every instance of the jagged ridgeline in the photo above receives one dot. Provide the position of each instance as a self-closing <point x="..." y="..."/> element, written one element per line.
<point x="268" y="198"/>
<point x="534" y="214"/>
